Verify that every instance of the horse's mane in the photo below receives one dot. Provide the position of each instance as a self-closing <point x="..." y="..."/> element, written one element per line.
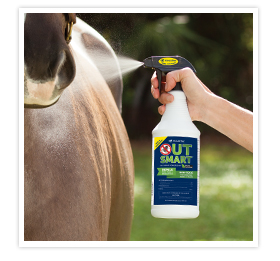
<point x="99" y="123"/>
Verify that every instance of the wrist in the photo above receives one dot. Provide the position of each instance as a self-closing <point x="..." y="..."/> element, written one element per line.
<point x="208" y="108"/>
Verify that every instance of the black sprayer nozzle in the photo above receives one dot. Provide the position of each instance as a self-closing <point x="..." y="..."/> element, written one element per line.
<point x="165" y="64"/>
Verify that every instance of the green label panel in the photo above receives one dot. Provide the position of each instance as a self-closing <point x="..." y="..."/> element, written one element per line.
<point x="173" y="173"/>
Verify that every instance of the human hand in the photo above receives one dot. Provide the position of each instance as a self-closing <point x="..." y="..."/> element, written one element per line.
<point x="222" y="115"/>
<point x="193" y="88"/>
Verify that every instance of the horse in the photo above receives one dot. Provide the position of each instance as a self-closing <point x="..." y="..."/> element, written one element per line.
<point x="78" y="163"/>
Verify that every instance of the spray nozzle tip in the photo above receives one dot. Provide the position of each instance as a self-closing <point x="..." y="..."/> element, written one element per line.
<point x="148" y="63"/>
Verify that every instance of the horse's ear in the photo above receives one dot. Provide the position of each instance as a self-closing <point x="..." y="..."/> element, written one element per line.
<point x="70" y="17"/>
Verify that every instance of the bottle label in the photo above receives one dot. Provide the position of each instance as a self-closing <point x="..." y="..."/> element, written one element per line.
<point x="175" y="171"/>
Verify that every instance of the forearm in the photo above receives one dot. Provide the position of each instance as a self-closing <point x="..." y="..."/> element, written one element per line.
<point x="230" y="119"/>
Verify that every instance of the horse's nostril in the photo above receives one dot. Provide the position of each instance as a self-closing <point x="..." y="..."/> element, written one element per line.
<point x="56" y="64"/>
<point x="66" y="71"/>
<point x="42" y="70"/>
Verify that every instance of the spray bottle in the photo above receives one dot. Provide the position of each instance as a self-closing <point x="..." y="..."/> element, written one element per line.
<point x="176" y="150"/>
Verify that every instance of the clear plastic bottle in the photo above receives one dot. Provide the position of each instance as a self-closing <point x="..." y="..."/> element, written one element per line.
<point x="175" y="168"/>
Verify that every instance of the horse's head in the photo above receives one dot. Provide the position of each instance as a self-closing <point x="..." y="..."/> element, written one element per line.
<point x="48" y="63"/>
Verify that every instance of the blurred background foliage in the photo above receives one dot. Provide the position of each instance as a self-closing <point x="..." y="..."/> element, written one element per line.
<point x="220" y="46"/>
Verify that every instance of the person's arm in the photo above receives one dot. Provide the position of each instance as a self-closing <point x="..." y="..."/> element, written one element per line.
<point x="224" y="116"/>
<point x="231" y="120"/>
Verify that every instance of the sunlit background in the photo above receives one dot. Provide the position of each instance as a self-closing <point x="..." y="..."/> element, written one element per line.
<point x="220" y="46"/>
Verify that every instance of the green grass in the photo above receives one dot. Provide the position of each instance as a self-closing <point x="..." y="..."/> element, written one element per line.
<point x="226" y="198"/>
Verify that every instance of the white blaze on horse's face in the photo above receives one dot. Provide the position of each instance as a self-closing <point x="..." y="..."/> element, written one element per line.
<point x="48" y="63"/>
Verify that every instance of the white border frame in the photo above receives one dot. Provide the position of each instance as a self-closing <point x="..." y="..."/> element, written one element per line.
<point x="164" y="244"/>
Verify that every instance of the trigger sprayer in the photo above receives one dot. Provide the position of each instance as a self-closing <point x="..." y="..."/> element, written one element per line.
<point x="176" y="150"/>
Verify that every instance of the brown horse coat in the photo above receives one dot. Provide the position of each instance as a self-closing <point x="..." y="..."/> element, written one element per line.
<point x="78" y="164"/>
